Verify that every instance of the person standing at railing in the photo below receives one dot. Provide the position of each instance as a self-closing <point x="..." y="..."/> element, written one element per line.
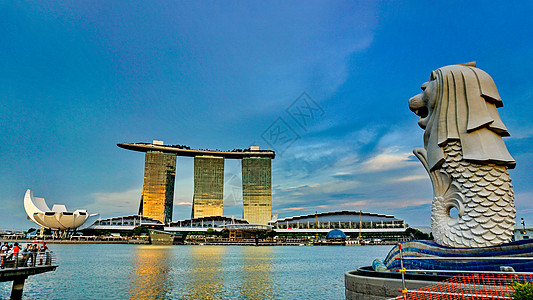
<point x="43" y="254"/>
<point x="3" y="251"/>
<point x="26" y="255"/>
<point x="9" y="253"/>
<point x="33" y="254"/>
<point x="16" y="251"/>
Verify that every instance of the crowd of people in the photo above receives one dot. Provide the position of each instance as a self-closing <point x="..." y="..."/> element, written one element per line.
<point x="30" y="255"/>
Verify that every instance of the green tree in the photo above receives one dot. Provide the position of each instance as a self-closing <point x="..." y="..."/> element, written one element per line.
<point x="140" y="230"/>
<point x="31" y="230"/>
<point x="416" y="234"/>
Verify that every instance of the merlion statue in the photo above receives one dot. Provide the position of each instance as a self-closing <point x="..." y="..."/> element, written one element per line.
<point x="465" y="157"/>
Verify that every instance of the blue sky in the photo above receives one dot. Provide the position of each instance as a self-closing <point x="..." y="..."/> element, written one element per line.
<point x="76" y="78"/>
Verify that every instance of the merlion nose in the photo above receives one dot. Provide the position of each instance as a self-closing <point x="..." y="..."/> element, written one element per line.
<point x="415" y="103"/>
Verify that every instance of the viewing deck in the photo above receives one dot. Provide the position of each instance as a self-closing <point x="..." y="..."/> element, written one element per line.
<point x="180" y="151"/>
<point x="17" y="267"/>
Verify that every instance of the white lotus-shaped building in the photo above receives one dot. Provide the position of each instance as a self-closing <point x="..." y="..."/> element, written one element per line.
<point x="57" y="218"/>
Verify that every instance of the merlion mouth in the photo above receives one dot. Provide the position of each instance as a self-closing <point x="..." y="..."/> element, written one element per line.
<point x="418" y="106"/>
<point x="422" y="112"/>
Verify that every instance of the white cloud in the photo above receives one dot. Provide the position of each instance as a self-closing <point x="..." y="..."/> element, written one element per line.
<point x="522" y="132"/>
<point x="116" y="203"/>
<point x="355" y="204"/>
<point x="315" y="151"/>
<point x="409" y="178"/>
<point x="334" y="186"/>
<point x="305" y="208"/>
<point x="405" y="203"/>
<point x="375" y="203"/>
<point x="389" y="160"/>
<point x="335" y="173"/>
<point x="365" y="135"/>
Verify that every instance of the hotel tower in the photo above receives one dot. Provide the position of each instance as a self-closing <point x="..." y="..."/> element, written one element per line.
<point x="160" y="170"/>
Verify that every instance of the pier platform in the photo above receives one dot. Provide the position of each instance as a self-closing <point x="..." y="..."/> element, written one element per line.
<point x="17" y="268"/>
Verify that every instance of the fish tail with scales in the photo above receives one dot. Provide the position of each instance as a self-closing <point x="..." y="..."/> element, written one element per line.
<point x="482" y="195"/>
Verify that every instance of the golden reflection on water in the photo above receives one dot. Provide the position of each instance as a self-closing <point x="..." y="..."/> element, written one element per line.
<point x="205" y="275"/>
<point x="256" y="266"/>
<point x="201" y="272"/>
<point x="151" y="276"/>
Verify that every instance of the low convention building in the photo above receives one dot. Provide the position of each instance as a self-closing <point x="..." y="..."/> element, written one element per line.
<point x="213" y="222"/>
<point x="347" y="221"/>
<point x="357" y="226"/>
<point x="237" y="228"/>
<point x="125" y="223"/>
<point x="352" y="224"/>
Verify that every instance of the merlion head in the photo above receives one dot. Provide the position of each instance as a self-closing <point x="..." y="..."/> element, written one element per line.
<point x="459" y="102"/>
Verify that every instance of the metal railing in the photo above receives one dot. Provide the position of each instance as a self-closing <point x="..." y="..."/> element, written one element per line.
<point x="465" y="284"/>
<point x="26" y="259"/>
<point x="469" y="286"/>
<point x="504" y="269"/>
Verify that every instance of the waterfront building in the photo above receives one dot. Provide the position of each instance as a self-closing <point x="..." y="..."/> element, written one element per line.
<point x="208" y="186"/>
<point x="335" y="237"/>
<point x="522" y="232"/>
<point x="58" y="218"/>
<point x="347" y="221"/>
<point x="256" y="189"/>
<point x="336" y="234"/>
<point x="157" y="197"/>
<point x="125" y="223"/>
<point x="160" y="169"/>
<point x="212" y="222"/>
<point x="333" y="225"/>
<point x="237" y="228"/>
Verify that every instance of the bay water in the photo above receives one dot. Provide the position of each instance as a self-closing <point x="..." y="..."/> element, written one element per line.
<point x="108" y="271"/>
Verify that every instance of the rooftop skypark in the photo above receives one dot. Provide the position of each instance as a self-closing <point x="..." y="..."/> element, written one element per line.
<point x="182" y="150"/>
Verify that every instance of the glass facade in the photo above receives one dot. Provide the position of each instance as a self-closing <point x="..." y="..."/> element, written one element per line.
<point x="208" y="186"/>
<point x="157" y="197"/>
<point x="256" y="190"/>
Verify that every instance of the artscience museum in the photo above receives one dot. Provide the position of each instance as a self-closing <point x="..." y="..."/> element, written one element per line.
<point x="58" y="218"/>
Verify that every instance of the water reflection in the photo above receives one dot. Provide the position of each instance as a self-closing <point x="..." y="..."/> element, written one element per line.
<point x="202" y="272"/>
<point x="256" y="268"/>
<point x="151" y="277"/>
<point x="206" y="279"/>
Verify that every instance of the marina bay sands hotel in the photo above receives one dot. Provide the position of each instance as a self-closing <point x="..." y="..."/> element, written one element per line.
<point x="157" y="197"/>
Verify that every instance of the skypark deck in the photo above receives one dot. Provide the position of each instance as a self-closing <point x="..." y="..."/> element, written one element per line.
<point x="181" y="151"/>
